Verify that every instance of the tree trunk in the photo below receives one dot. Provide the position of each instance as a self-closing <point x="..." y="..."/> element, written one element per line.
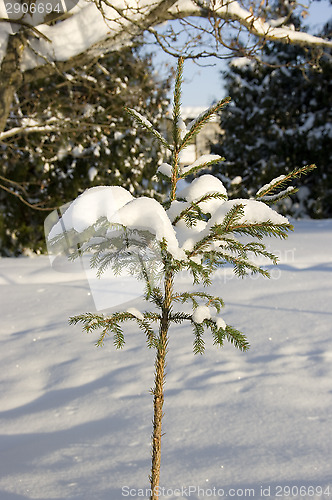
<point x="158" y="391"/>
<point x="10" y="75"/>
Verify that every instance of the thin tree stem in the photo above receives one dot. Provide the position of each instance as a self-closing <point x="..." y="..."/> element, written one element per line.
<point x="158" y="391"/>
<point x="160" y="364"/>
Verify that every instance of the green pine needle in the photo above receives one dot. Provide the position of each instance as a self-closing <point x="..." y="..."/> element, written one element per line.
<point x="177" y="105"/>
<point x="197" y="168"/>
<point x="201" y="120"/>
<point x="111" y="325"/>
<point x="280" y="182"/>
<point x="147" y="125"/>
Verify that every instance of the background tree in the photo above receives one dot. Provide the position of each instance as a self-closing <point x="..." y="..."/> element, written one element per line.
<point x="70" y="132"/>
<point x="43" y="44"/>
<point x="46" y="40"/>
<point x="280" y="119"/>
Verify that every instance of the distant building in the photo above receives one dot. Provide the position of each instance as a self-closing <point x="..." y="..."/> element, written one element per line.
<point x="201" y="143"/>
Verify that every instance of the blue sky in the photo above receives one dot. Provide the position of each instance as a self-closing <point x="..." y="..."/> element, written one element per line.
<point x="203" y="85"/>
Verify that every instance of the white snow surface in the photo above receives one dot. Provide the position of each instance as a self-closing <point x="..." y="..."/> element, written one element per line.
<point x="165" y="169"/>
<point x="240" y="62"/>
<point x="76" y="419"/>
<point x="119" y="207"/>
<point x="135" y="312"/>
<point x="221" y="323"/>
<point x="87" y="208"/>
<point x="204" y="185"/>
<point x="147" y="214"/>
<point x="254" y="211"/>
<point x="270" y="184"/>
<point x="201" y="313"/>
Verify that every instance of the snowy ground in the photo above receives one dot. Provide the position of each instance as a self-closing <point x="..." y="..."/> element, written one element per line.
<point x="75" y="420"/>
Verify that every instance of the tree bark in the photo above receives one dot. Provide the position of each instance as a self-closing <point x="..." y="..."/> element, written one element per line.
<point x="10" y="74"/>
<point x="158" y="391"/>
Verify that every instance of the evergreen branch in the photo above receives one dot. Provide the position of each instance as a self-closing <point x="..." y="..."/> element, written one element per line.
<point x="256" y="229"/>
<point x="68" y="242"/>
<point x="104" y="260"/>
<point x="202" y="244"/>
<point x="157" y="297"/>
<point x="111" y="324"/>
<point x="232" y="217"/>
<point x="201" y="120"/>
<point x="280" y="181"/>
<point x="198" y="344"/>
<point x="213" y="301"/>
<point x="218" y="335"/>
<point x="118" y="337"/>
<point x="231" y="251"/>
<point x="199" y="273"/>
<point x="259" y="249"/>
<point x="193" y="212"/>
<point x="147" y="125"/>
<point x="177" y="105"/>
<point x="151" y="316"/>
<point x="146" y="328"/>
<point x="178" y="317"/>
<point x="235" y="337"/>
<point x="185" y="171"/>
<point x="136" y="252"/>
<point x="242" y="249"/>
<point x="162" y="177"/>
<point x="146" y="277"/>
<point x="232" y="224"/>
<point x="91" y="321"/>
<point x="265" y="228"/>
<point x="279" y="196"/>
<point x="240" y="264"/>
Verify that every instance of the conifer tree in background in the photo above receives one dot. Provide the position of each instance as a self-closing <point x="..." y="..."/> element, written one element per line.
<point x="196" y="230"/>
<point x="280" y="119"/>
<point x="73" y="133"/>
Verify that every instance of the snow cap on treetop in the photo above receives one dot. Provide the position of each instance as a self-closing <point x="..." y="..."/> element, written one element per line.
<point x="148" y="214"/>
<point x="254" y="212"/>
<point x="204" y="185"/>
<point x="96" y="202"/>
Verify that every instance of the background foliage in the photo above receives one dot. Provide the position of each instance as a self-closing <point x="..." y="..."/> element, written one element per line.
<point x="279" y="119"/>
<point x="85" y="139"/>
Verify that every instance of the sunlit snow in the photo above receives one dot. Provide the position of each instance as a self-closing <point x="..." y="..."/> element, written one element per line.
<point x="76" y="419"/>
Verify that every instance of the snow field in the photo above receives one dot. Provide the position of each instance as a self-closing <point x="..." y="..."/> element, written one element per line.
<point x="76" y="419"/>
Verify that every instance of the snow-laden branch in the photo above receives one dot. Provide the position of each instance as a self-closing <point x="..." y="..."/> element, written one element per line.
<point x="30" y="126"/>
<point x="94" y="32"/>
<point x="259" y="27"/>
<point x="27" y="129"/>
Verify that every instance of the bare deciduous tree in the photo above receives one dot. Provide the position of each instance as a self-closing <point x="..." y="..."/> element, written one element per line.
<point x="37" y="41"/>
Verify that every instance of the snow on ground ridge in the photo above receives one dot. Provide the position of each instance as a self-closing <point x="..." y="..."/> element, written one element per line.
<point x="76" y="420"/>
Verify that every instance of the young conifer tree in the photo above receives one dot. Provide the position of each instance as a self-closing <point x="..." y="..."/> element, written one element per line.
<point x="195" y="230"/>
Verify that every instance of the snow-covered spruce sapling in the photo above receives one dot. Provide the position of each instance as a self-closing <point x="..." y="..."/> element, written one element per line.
<point x="197" y="229"/>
